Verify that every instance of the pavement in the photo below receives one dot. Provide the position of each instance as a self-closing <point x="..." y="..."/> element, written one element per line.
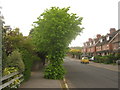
<point x="38" y="81"/>
<point x="106" y="66"/>
<point x="89" y="75"/>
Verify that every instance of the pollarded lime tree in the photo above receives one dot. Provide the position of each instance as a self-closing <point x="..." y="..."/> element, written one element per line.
<point x="53" y="32"/>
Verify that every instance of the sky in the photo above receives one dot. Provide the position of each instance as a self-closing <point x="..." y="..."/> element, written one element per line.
<point x="98" y="15"/>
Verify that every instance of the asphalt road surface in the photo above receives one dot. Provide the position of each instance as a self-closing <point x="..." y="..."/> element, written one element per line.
<point x="87" y="76"/>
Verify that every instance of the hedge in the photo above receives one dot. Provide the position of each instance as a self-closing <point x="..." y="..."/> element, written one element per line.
<point x="108" y="59"/>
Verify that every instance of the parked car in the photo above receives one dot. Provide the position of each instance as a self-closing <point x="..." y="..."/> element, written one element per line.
<point x="118" y="62"/>
<point x="92" y="58"/>
<point x="85" y="60"/>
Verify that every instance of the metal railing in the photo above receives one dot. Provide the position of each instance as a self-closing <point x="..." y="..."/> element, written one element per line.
<point x="7" y="81"/>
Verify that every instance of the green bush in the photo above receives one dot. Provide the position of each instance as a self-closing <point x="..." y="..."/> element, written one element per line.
<point x="27" y="59"/>
<point x="111" y="58"/>
<point x="15" y="60"/>
<point x="117" y="56"/>
<point x="102" y="59"/>
<point x="53" y="71"/>
<point x="108" y="59"/>
<point x="105" y="59"/>
<point x="7" y="71"/>
<point x="97" y="59"/>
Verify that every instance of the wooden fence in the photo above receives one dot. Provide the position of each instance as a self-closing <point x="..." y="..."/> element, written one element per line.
<point x="7" y="81"/>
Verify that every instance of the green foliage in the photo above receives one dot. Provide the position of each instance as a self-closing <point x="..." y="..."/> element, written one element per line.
<point x="7" y="71"/>
<point x="75" y="52"/>
<point x="27" y="59"/>
<point x="4" y="61"/>
<point x="104" y="59"/>
<point x="36" y="58"/>
<point x="12" y="40"/>
<point x="52" y="33"/>
<point x="117" y="56"/>
<point x="54" y="71"/>
<point x="15" y="60"/>
<point x="97" y="58"/>
<point x="56" y="28"/>
<point x="111" y="58"/>
<point x="108" y="59"/>
<point x="28" y="55"/>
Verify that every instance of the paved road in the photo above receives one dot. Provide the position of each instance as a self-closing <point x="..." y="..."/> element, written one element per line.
<point x="87" y="76"/>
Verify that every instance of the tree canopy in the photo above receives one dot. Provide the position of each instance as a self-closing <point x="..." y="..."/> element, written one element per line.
<point x="53" y="32"/>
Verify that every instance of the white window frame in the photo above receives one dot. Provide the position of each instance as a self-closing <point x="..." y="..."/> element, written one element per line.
<point x="101" y="40"/>
<point x="107" y="38"/>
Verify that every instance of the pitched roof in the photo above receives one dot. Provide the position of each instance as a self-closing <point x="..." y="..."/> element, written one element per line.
<point x="105" y="41"/>
<point x="117" y="33"/>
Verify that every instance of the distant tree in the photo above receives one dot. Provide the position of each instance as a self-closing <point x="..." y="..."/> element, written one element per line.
<point x="52" y="34"/>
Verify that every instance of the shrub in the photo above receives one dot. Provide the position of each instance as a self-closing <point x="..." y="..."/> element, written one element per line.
<point x="117" y="56"/>
<point x="111" y="58"/>
<point x="108" y="59"/>
<point x="105" y="59"/>
<point x="53" y="71"/>
<point x="27" y="59"/>
<point x="7" y="71"/>
<point x="15" y="60"/>
<point x="97" y="58"/>
<point x="102" y="59"/>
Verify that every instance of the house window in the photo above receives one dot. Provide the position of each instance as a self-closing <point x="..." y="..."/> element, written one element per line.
<point x="107" y="38"/>
<point x="90" y="44"/>
<point x="100" y="40"/>
<point x="110" y="37"/>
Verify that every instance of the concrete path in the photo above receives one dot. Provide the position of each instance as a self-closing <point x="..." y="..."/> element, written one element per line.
<point x="38" y="81"/>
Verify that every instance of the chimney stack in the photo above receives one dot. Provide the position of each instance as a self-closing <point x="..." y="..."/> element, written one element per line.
<point x="90" y="39"/>
<point x="98" y="35"/>
<point x="112" y="30"/>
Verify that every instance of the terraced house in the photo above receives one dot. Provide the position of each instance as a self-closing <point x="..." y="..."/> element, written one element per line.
<point x="103" y="45"/>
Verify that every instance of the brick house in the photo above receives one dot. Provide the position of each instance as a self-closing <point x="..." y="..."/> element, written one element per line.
<point x="90" y="46"/>
<point x="115" y="42"/>
<point x="103" y="45"/>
